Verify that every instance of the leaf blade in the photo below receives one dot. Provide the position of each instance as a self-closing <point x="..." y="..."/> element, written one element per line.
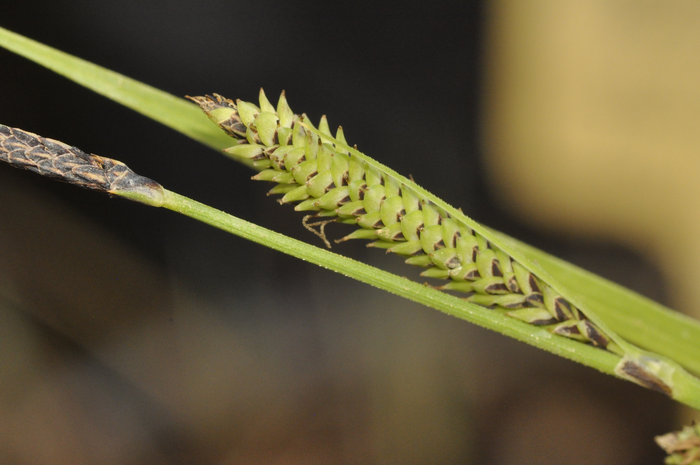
<point x="174" y="112"/>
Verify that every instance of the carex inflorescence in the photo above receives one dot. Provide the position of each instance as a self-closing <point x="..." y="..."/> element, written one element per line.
<point x="54" y="159"/>
<point x="325" y="178"/>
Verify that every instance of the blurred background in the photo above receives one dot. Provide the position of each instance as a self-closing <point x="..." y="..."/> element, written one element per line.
<point x="130" y="335"/>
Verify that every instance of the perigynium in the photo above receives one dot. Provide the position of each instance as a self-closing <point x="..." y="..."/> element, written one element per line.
<point x="322" y="177"/>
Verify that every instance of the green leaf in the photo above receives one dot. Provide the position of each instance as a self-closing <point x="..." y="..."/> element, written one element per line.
<point x="174" y="112"/>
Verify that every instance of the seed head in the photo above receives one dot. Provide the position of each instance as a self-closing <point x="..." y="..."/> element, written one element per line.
<point x="325" y="179"/>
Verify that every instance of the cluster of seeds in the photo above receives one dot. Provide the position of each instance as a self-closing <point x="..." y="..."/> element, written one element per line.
<point x="326" y="179"/>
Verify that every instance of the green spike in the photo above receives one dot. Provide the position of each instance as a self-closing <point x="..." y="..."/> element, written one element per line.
<point x="431" y="238"/>
<point x="266" y="175"/>
<point x="307" y="205"/>
<point x="391" y="233"/>
<point x="374" y="197"/>
<point x="392" y="210"/>
<point x="356" y="172"/>
<point x="351" y="210"/>
<point x="295" y="195"/>
<point x="340" y="137"/>
<point x="265" y="104"/>
<point x="323" y="126"/>
<point x="411" y="202"/>
<point x="266" y="124"/>
<point x="247" y="111"/>
<point x="333" y="199"/>
<point x="339" y="168"/>
<point x="304" y="171"/>
<point x="293" y="158"/>
<point x="485" y="262"/>
<point x="461" y="286"/>
<point x="435" y="272"/>
<point x="324" y="177"/>
<point x="419" y="260"/>
<point x="493" y="286"/>
<point x="320" y="184"/>
<point x="246" y="151"/>
<point x="360" y="234"/>
<point x="284" y="112"/>
<point x="284" y="177"/>
<point x="381" y="244"/>
<point x="282" y="189"/>
<point x="411" y="225"/>
<point x="370" y="220"/>
<point x="534" y="316"/>
<point x="261" y="164"/>
<point x="445" y="258"/>
<point x="407" y="248"/>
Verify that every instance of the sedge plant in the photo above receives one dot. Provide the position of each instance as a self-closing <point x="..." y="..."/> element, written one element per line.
<point x="486" y="278"/>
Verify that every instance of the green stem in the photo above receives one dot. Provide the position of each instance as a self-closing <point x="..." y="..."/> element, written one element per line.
<point x="587" y="355"/>
<point x="685" y="387"/>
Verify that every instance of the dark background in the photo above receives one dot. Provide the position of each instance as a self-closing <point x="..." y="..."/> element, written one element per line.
<point x="404" y="82"/>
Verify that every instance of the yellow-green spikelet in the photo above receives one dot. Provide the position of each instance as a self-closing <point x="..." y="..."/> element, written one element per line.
<point x="327" y="180"/>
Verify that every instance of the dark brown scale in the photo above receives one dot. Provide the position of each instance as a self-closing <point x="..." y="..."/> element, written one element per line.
<point x="534" y="285"/>
<point x="238" y="129"/>
<point x="562" y="308"/>
<point x="545" y="322"/>
<point x="399" y="237"/>
<point x="568" y="331"/>
<point x="456" y="236"/>
<point x="496" y="268"/>
<point x="512" y="284"/>
<point x="361" y="192"/>
<point x="311" y="175"/>
<point x="453" y="263"/>
<point x="535" y="300"/>
<point x="515" y="305"/>
<point x="497" y="288"/>
<point x="645" y="378"/>
<point x="596" y="337"/>
<point x="419" y="228"/>
<point x="473" y="275"/>
<point x="439" y="245"/>
<point x="400" y="215"/>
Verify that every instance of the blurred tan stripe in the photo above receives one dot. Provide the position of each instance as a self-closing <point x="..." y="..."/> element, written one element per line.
<point x="591" y="124"/>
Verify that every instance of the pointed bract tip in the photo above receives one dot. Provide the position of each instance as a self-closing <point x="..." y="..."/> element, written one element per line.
<point x="265" y="104"/>
<point x="323" y="126"/>
<point x="284" y="112"/>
